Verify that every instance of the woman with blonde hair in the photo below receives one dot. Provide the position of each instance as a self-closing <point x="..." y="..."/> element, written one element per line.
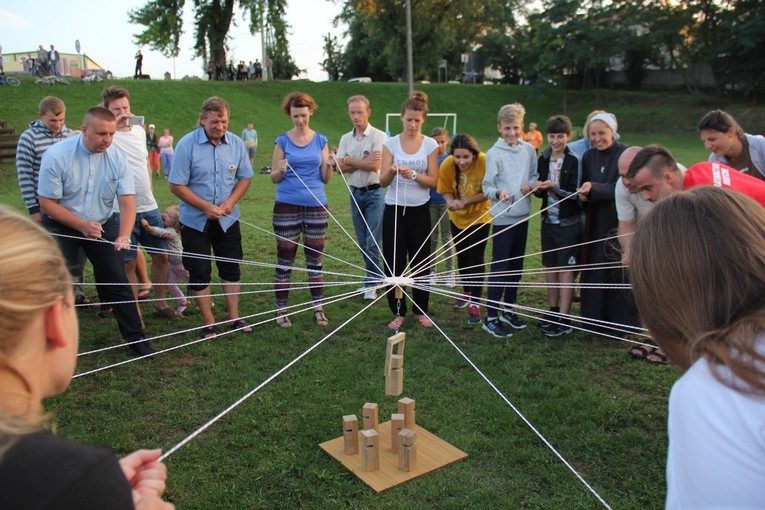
<point x="38" y="352"/>
<point x="698" y="273"/>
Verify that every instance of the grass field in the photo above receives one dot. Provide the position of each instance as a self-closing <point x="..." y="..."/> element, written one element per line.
<point x="603" y="412"/>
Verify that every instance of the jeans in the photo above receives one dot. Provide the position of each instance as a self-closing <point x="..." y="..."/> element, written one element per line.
<point x="369" y="206"/>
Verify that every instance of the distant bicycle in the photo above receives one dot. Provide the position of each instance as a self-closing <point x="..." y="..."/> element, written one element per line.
<point x="50" y="80"/>
<point x="9" y="80"/>
<point x="93" y="78"/>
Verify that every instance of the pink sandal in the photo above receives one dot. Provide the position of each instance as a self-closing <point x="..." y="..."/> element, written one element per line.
<point x="396" y="323"/>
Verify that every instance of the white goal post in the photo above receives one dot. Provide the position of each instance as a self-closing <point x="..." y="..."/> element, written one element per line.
<point x="446" y="116"/>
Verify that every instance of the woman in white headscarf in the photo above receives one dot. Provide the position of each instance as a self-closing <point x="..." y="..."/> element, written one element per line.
<point x="599" y="175"/>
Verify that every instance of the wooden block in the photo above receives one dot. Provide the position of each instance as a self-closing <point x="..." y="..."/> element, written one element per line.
<point x="370" y="450"/>
<point x="406" y="407"/>
<point x="350" y="434"/>
<point x="396" y="426"/>
<point x="394" y="380"/>
<point x="369" y="416"/>
<point x="395" y="347"/>
<point x="407" y="450"/>
<point x="432" y="453"/>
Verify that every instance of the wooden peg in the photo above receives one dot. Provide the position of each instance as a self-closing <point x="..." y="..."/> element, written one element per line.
<point x="394" y="381"/>
<point x="370" y="450"/>
<point x="395" y="347"/>
<point x="398" y="292"/>
<point x="407" y="450"/>
<point x="350" y="434"/>
<point x="406" y="407"/>
<point x="369" y="415"/>
<point x="396" y="426"/>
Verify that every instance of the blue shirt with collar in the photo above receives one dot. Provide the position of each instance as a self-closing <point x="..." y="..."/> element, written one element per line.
<point x="84" y="183"/>
<point x="211" y="172"/>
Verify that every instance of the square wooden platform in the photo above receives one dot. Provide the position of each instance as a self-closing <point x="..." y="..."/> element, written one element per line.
<point x="432" y="453"/>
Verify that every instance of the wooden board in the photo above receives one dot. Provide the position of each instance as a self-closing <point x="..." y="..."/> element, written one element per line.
<point x="432" y="453"/>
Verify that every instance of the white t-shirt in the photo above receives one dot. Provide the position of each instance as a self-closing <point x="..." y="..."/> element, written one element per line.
<point x="629" y="206"/>
<point x="407" y="192"/>
<point x="716" y="453"/>
<point x="133" y="144"/>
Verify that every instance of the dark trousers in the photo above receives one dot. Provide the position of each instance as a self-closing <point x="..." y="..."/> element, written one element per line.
<point x="508" y="249"/>
<point x="107" y="268"/>
<point x="470" y="258"/>
<point x="405" y="237"/>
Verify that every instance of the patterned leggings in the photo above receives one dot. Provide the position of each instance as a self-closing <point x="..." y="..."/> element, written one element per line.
<point x="289" y="221"/>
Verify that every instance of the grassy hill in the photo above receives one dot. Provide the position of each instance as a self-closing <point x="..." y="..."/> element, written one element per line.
<point x="604" y="413"/>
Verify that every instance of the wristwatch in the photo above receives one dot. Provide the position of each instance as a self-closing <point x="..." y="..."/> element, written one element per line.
<point x="414" y="175"/>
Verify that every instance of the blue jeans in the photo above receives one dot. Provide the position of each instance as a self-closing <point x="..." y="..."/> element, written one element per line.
<point x="369" y="206"/>
<point x="167" y="162"/>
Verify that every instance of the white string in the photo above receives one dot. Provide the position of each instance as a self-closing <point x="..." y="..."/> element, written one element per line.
<point x="519" y="414"/>
<point x="261" y="385"/>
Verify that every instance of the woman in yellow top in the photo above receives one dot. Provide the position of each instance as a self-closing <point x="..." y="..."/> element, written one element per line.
<point x="459" y="181"/>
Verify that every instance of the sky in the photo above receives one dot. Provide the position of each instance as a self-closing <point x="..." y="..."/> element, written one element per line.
<point x="109" y="42"/>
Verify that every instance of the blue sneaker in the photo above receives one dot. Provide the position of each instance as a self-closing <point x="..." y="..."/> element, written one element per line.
<point x="512" y="320"/>
<point x="494" y="328"/>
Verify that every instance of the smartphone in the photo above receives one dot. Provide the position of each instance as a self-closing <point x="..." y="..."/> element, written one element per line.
<point x="135" y="121"/>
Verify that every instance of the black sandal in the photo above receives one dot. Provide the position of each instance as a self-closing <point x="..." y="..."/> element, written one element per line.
<point x="241" y="325"/>
<point x="641" y="351"/>
<point x="208" y="332"/>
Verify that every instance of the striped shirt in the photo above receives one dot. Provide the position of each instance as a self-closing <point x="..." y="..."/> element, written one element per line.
<point x="32" y="145"/>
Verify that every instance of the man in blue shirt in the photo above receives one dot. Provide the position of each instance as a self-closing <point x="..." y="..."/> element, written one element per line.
<point x="80" y="179"/>
<point x="211" y="173"/>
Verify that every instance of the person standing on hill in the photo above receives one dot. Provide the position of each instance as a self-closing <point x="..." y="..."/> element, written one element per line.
<point x="138" y="65"/>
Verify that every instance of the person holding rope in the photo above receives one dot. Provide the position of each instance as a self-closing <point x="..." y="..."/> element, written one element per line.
<point x="460" y="180"/>
<point x="511" y="174"/>
<point x="301" y="169"/>
<point x="561" y="224"/>
<point x="211" y="173"/>
<point x="606" y="309"/>
<point x="409" y="169"/>
<point x="81" y="178"/>
<point x="38" y="353"/>
<point x="697" y="273"/>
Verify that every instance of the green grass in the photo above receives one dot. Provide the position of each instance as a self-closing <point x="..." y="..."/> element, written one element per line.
<point x="604" y="413"/>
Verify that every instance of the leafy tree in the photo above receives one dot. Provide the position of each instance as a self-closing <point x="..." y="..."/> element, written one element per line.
<point x="333" y="61"/>
<point x="440" y="30"/>
<point x="163" y="20"/>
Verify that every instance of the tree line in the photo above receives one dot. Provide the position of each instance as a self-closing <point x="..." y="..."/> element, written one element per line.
<point x="565" y="42"/>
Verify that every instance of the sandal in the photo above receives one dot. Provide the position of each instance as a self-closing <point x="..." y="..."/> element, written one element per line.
<point x="425" y="322"/>
<point x="321" y="318"/>
<point x="641" y="351"/>
<point x="167" y="313"/>
<point x="283" y="321"/>
<point x="657" y="356"/>
<point x="396" y="323"/>
<point x="241" y="325"/>
<point x="208" y="332"/>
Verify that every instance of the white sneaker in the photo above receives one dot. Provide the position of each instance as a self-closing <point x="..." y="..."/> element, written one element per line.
<point x="371" y="294"/>
<point x="450" y="281"/>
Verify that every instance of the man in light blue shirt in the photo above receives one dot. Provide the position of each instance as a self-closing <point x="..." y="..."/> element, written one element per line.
<point x="80" y="179"/>
<point x="211" y="173"/>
